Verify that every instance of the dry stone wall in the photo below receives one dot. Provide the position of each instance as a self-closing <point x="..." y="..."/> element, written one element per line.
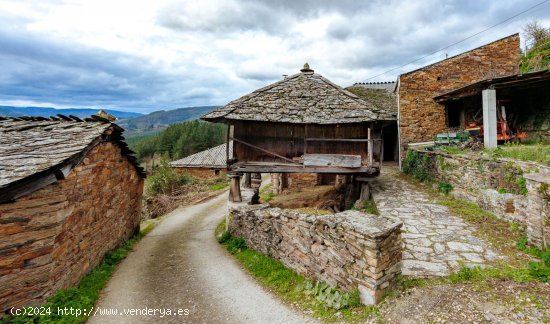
<point x="538" y="209"/>
<point x="420" y="117"/>
<point x="347" y="250"/>
<point x="52" y="237"/>
<point x="501" y="186"/>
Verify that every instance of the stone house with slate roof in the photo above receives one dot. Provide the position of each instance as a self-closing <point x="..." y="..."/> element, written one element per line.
<point x="205" y="164"/>
<point x="70" y="191"/>
<point x="421" y="117"/>
<point x="303" y="124"/>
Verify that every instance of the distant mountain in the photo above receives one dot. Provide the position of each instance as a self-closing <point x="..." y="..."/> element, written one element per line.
<point x="47" y="112"/>
<point x="159" y="120"/>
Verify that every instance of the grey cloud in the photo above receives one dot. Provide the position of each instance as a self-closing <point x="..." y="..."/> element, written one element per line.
<point x="50" y="71"/>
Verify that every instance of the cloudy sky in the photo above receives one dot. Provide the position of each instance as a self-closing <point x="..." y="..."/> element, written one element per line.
<point x="149" y="55"/>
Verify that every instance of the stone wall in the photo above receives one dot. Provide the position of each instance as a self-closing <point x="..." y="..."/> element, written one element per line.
<point x="293" y="181"/>
<point x="497" y="185"/>
<point x="500" y="186"/>
<point x="538" y="210"/>
<point x="420" y="117"/>
<point x="347" y="250"/>
<point x="297" y="181"/>
<point x="201" y="173"/>
<point x="54" y="236"/>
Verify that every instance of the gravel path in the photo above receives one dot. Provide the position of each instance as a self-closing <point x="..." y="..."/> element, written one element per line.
<point x="435" y="240"/>
<point x="179" y="265"/>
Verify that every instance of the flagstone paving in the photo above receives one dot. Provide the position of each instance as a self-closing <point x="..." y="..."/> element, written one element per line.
<point x="435" y="241"/>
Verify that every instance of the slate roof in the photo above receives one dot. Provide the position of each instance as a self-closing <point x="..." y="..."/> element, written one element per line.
<point x="213" y="158"/>
<point x="378" y="94"/>
<point x="386" y="85"/>
<point x="36" y="151"/>
<point x="304" y="98"/>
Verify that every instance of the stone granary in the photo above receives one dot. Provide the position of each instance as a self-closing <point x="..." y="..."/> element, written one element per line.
<point x="421" y="117"/>
<point x="204" y="164"/>
<point x="303" y="124"/>
<point x="70" y="191"/>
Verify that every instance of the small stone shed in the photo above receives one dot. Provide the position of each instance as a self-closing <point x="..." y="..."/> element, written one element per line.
<point x="421" y="117"/>
<point x="303" y="124"/>
<point x="70" y="191"/>
<point x="205" y="164"/>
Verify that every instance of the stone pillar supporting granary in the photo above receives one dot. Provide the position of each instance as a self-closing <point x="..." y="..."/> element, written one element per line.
<point x="70" y="191"/>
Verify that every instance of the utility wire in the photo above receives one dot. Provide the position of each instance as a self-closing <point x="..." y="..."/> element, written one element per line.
<point x="460" y="41"/>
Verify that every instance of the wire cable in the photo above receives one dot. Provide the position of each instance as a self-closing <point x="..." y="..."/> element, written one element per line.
<point x="460" y="41"/>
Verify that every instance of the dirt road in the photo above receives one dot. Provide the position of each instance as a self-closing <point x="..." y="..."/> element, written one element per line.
<point x="179" y="267"/>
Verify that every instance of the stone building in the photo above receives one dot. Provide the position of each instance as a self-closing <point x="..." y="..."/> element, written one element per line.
<point x="382" y="96"/>
<point x="206" y="164"/>
<point x="420" y="116"/>
<point x="303" y="124"/>
<point x="70" y="191"/>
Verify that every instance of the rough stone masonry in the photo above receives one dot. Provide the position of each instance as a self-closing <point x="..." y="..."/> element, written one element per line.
<point x="347" y="250"/>
<point x="52" y="237"/>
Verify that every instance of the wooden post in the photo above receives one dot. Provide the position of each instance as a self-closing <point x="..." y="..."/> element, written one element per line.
<point x="305" y="137"/>
<point x="235" y="188"/>
<point x="227" y="146"/>
<point x="246" y="180"/>
<point x="369" y="146"/>
<point x="365" y="191"/>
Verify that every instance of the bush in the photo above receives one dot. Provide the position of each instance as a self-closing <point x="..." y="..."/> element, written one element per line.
<point x="418" y="166"/>
<point x="224" y="238"/>
<point x="445" y="188"/>
<point x="165" y="180"/>
<point x="236" y="244"/>
<point x="539" y="270"/>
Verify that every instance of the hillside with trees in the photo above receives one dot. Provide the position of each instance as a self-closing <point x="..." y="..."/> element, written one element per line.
<point x="537" y="54"/>
<point x="179" y="140"/>
<point x="159" y="120"/>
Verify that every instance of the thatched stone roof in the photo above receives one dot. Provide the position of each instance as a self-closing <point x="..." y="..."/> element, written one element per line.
<point x="213" y="158"/>
<point x="304" y="98"/>
<point x="40" y="150"/>
<point x="378" y="94"/>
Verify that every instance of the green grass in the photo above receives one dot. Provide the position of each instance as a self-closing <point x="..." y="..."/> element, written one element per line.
<point x="451" y="149"/>
<point x="539" y="153"/>
<point x="219" y="186"/>
<point x="294" y="288"/>
<point x="85" y="295"/>
<point x="266" y="194"/>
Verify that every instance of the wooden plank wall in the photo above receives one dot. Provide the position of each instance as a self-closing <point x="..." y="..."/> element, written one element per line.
<point x="288" y="140"/>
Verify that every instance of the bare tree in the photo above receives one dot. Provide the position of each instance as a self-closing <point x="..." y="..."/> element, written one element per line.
<point x="536" y="32"/>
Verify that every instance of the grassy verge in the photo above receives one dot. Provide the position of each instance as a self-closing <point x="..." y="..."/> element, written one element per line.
<point x="219" y="186"/>
<point x="539" y="153"/>
<point x="266" y="194"/>
<point x="317" y="299"/>
<point x="84" y="296"/>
